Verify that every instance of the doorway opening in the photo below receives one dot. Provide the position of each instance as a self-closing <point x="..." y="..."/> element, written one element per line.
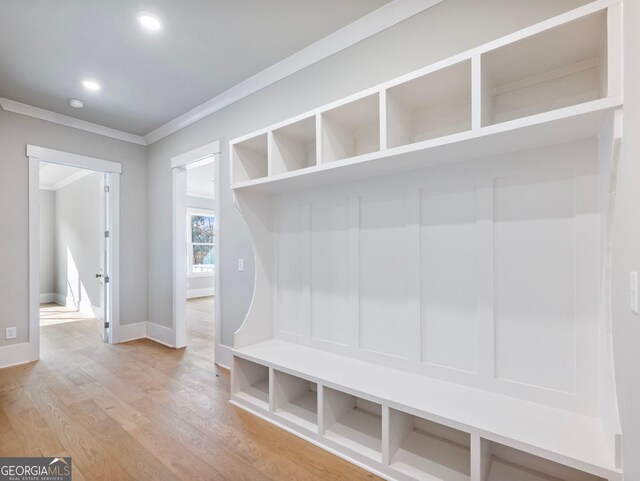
<point x="73" y="245"/>
<point x="72" y="227"/>
<point x="196" y="250"/>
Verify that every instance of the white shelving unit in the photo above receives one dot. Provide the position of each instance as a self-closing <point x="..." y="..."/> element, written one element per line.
<point x="430" y="106"/>
<point x="431" y="281"/>
<point x="425" y="450"/>
<point x="351" y="129"/>
<point x="251" y="383"/>
<point x="296" y="399"/>
<point x="294" y="146"/>
<point x="353" y="422"/>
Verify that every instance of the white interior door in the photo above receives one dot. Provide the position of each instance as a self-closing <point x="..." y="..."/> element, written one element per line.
<point x="105" y="268"/>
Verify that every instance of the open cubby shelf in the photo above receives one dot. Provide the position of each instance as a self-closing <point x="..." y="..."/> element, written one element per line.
<point x="427" y="451"/>
<point x="354" y="423"/>
<point x="251" y="381"/>
<point x="250" y="159"/>
<point x="296" y="400"/>
<point x="532" y="79"/>
<point x="502" y="463"/>
<point x="294" y="146"/>
<point x="557" y="68"/>
<point x="430" y="106"/>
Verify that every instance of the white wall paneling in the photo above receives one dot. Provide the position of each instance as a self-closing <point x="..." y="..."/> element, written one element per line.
<point x="430" y="272"/>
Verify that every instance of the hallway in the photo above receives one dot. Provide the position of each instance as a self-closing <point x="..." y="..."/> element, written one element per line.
<point x="141" y="411"/>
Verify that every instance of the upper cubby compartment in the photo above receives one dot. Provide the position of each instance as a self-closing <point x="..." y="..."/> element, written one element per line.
<point x="294" y="146"/>
<point x="556" y="68"/>
<point x="430" y="106"/>
<point x="351" y="129"/>
<point x="249" y="158"/>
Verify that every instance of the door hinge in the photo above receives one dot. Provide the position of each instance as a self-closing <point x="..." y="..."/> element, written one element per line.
<point x="106" y="324"/>
<point x="106" y="188"/>
<point x="106" y="279"/>
<point x="107" y="234"/>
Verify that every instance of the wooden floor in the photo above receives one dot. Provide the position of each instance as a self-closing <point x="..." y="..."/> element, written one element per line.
<point x="141" y="411"/>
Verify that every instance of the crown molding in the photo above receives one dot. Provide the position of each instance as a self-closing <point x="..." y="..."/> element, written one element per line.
<point x="42" y="114"/>
<point x="375" y="22"/>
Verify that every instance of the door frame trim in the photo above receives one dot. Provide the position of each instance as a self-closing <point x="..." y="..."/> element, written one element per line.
<point x="34" y="155"/>
<point x="179" y="166"/>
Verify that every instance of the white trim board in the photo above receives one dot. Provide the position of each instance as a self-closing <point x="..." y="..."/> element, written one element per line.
<point x="375" y="22"/>
<point x="56" y="118"/>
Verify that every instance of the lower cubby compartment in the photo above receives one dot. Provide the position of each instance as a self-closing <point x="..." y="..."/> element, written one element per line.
<point x="503" y="463"/>
<point x="427" y="451"/>
<point x="251" y="382"/>
<point x="353" y="422"/>
<point x="296" y="400"/>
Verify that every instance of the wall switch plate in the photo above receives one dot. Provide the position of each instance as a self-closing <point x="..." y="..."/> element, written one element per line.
<point x="241" y="265"/>
<point x="11" y="333"/>
<point x="633" y="291"/>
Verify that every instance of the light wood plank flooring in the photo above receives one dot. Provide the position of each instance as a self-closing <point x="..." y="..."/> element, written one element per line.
<point x="141" y="411"/>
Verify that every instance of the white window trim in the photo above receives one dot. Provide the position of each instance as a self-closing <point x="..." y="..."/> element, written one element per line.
<point x="207" y="213"/>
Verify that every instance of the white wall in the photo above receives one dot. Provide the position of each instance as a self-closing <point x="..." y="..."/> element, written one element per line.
<point x="421" y="40"/>
<point x="16" y="131"/>
<point x="626" y="249"/>
<point x="47" y="241"/>
<point x="79" y="228"/>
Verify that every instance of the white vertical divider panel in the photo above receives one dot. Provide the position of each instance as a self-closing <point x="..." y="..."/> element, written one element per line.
<point x="270" y="141"/>
<point x="272" y="391"/>
<point x="414" y="297"/>
<point x="614" y="50"/>
<point x="484" y="269"/>
<point x="321" y="410"/>
<point x="354" y="271"/>
<point x="258" y="211"/>
<point x="386" y="436"/>
<point x="384" y="143"/>
<point x="480" y="458"/>
<point x="305" y="268"/>
<point x="476" y="92"/>
<point x="318" y="138"/>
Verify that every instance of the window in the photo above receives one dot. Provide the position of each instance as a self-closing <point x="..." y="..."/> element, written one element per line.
<point x="201" y="242"/>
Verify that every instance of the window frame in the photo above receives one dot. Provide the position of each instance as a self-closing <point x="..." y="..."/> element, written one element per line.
<point x="206" y="213"/>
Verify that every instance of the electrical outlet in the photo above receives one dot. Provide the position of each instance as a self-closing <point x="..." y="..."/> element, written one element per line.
<point x="241" y="265"/>
<point x="11" y="333"/>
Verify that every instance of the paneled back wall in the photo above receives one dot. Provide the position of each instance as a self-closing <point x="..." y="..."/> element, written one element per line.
<point x="485" y="273"/>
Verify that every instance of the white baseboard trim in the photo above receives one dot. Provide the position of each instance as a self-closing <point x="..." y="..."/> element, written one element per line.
<point x="48" y="298"/>
<point x="129" y="332"/>
<point x="14" y="354"/>
<point x="163" y="335"/>
<point x="223" y="356"/>
<point x="204" y="292"/>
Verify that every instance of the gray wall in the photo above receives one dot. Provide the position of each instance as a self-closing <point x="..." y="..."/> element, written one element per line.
<point x="79" y="228"/>
<point x="626" y="249"/>
<point x="47" y="241"/>
<point x="16" y="131"/>
<point x="423" y="39"/>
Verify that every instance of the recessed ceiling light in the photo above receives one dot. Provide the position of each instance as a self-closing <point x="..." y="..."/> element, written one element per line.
<point x="76" y="104"/>
<point x="149" y="21"/>
<point x="91" y="85"/>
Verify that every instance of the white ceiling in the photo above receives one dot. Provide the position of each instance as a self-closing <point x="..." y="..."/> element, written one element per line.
<point x="200" y="181"/>
<point x="56" y="176"/>
<point x="148" y="79"/>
